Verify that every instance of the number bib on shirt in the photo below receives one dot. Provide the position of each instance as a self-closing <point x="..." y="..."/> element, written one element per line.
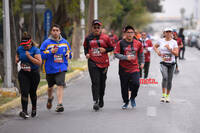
<point x="26" y="67"/>
<point x="132" y="54"/>
<point x="96" y="52"/>
<point x="167" y="57"/>
<point x="58" y="58"/>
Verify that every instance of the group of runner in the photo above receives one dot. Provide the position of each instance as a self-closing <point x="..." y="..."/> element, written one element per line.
<point x="132" y="51"/>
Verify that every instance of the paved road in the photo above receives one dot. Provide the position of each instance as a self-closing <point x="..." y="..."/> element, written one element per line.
<point x="182" y="115"/>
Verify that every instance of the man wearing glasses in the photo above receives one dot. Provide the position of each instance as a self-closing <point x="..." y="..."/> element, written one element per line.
<point x="129" y="51"/>
<point x="96" y="48"/>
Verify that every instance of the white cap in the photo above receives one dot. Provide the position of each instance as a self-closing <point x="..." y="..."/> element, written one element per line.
<point x="168" y="29"/>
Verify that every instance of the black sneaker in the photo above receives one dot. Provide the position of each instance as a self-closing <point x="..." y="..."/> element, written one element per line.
<point x="33" y="113"/>
<point x="96" y="106"/>
<point x="125" y="106"/>
<point x="24" y="115"/>
<point x="101" y="103"/>
<point x="59" y="108"/>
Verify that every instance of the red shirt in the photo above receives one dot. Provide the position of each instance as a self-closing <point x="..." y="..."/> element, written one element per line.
<point x="124" y="47"/>
<point x="114" y="39"/>
<point x="91" y="44"/>
<point x="147" y="53"/>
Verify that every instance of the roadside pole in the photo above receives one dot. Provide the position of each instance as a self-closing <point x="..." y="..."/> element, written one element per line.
<point x="6" y="45"/>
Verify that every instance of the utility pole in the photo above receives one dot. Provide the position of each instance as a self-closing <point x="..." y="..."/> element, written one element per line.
<point x="6" y="44"/>
<point x="95" y="9"/>
<point x="33" y="15"/>
<point x="82" y="7"/>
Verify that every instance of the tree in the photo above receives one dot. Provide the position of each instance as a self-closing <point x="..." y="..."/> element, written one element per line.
<point x="153" y="5"/>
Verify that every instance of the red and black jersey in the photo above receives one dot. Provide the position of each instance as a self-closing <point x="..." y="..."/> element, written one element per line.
<point x="114" y="39"/>
<point x="129" y="48"/>
<point x="91" y="46"/>
<point x="146" y="44"/>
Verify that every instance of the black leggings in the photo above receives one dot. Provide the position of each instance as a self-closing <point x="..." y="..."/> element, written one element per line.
<point x="98" y="77"/>
<point x="129" y="81"/>
<point x="146" y="70"/>
<point x="28" y="82"/>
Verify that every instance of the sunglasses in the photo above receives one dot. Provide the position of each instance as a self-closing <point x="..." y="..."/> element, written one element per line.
<point x="168" y="31"/>
<point x="96" y="27"/>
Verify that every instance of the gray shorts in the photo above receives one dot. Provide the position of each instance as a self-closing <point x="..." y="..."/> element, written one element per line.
<point x="57" y="78"/>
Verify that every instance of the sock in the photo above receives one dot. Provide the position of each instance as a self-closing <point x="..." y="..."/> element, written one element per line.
<point x="164" y="95"/>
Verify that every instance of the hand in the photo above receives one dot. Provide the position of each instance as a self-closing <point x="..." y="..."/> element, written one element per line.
<point x="167" y="46"/>
<point x="16" y="59"/>
<point x="142" y="66"/>
<point x="102" y="50"/>
<point x="129" y="57"/>
<point x="67" y="56"/>
<point x="27" y="54"/>
<point x="87" y="56"/>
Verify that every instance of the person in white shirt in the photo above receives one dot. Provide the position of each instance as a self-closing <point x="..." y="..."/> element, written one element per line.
<point x="167" y="49"/>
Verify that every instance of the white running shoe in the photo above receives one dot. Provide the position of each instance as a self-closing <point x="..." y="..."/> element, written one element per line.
<point x="162" y="99"/>
<point x="167" y="100"/>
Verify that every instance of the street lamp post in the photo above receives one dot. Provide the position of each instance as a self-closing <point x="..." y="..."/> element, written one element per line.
<point x="95" y="9"/>
<point x="6" y="45"/>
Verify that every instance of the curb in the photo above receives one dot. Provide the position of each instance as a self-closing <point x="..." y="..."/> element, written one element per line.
<point x="42" y="90"/>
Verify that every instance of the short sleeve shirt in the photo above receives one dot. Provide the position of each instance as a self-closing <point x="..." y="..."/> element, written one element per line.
<point x="166" y="55"/>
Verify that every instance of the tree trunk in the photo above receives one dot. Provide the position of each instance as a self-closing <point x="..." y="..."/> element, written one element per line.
<point x="90" y="16"/>
<point x="13" y="46"/>
<point x="76" y="41"/>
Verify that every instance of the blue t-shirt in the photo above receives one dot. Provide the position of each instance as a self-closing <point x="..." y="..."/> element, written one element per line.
<point x="24" y="59"/>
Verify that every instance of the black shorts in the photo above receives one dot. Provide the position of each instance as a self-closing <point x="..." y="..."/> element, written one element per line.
<point x="57" y="78"/>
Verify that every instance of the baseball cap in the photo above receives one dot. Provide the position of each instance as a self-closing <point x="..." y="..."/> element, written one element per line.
<point x="168" y="29"/>
<point x="96" y="21"/>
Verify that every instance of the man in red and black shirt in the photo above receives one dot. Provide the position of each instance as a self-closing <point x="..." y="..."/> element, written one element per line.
<point x="96" y="47"/>
<point x="147" y="47"/>
<point x="129" y="51"/>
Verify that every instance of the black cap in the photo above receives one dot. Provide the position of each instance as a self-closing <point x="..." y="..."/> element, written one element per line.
<point x="96" y="21"/>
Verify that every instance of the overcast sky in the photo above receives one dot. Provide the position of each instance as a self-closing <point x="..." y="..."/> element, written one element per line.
<point x="171" y="8"/>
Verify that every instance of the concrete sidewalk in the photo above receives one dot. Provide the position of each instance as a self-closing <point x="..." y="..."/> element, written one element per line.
<point x="42" y="90"/>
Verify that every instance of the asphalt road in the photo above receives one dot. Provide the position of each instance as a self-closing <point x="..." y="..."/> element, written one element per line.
<point x="182" y="115"/>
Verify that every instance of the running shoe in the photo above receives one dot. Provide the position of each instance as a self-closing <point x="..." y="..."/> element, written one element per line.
<point x="133" y="103"/>
<point x="59" y="108"/>
<point x="167" y="100"/>
<point x="33" y="113"/>
<point x="24" y="115"/>
<point x="125" y="106"/>
<point x="49" y="102"/>
<point x="162" y="99"/>
<point x="96" y="106"/>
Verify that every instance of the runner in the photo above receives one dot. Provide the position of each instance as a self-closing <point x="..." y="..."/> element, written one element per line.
<point x="167" y="49"/>
<point x="56" y="52"/>
<point x="129" y="51"/>
<point x="28" y="76"/>
<point x="147" y="47"/>
<point x="96" y="48"/>
<point x="182" y="50"/>
<point x="180" y="45"/>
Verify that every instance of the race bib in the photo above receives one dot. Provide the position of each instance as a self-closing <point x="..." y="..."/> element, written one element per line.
<point x="58" y="58"/>
<point x="132" y="54"/>
<point x="96" y="52"/>
<point x="26" y="67"/>
<point x="167" y="57"/>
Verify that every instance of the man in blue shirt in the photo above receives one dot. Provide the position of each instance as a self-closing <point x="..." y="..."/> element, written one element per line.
<point x="55" y="52"/>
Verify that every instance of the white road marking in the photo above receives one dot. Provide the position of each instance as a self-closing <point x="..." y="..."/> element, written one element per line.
<point x="151" y="111"/>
